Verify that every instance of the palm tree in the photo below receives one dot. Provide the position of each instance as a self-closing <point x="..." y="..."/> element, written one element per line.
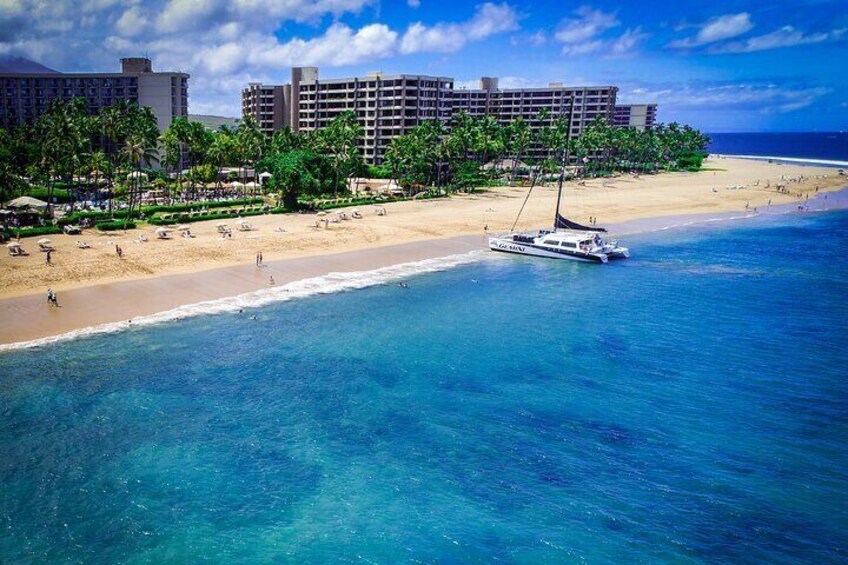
<point x="138" y="150"/>
<point x="218" y="152"/>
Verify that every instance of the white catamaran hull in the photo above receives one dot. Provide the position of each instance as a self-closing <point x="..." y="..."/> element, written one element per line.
<point x="510" y="246"/>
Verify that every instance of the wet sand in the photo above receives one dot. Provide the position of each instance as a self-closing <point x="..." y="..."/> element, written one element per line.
<point x="26" y="318"/>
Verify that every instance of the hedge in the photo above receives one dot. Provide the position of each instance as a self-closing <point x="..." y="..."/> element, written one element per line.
<point x="32" y="232"/>
<point x="202" y="204"/>
<point x="41" y="193"/>
<point x="116" y="225"/>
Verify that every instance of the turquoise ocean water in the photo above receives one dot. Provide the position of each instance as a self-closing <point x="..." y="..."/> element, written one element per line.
<point x="687" y="406"/>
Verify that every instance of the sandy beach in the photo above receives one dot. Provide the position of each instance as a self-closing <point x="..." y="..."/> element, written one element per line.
<point x="95" y="286"/>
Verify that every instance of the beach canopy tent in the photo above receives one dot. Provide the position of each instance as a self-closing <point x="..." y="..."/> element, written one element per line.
<point x="43" y="241"/>
<point x="507" y="164"/>
<point x="27" y="202"/>
<point x="264" y="176"/>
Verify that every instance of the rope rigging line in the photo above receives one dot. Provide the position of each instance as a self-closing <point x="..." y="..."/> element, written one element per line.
<point x="526" y="198"/>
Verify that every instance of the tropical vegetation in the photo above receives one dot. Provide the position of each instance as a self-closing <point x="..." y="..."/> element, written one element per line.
<point x="69" y="155"/>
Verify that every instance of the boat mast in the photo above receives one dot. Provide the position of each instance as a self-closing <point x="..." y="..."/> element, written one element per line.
<point x="564" y="162"/>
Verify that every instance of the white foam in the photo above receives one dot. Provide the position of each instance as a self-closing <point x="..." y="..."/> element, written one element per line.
<point x="329" y="283"/>
<point x="825" y="162"/>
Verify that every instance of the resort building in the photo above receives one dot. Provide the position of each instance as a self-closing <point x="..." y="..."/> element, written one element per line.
<point x="25" y="96"/>
<point x="386" y="105"/>
<point x="269" y="105"/>
<point x="639" y="116"/>
<point x="581" y="103"/>
<point x="390" y="105"/>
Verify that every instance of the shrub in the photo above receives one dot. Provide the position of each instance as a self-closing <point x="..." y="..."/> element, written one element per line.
<point x="41" y="192"/>
<point x="691" y="161"/>
<point x="32" y="232"/>
<point x="115" y="225"/>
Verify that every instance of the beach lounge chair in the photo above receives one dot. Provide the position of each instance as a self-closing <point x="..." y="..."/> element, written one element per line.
<point x="83" y="245"/>
<point x="356" y="215"/>
<point x="15" y="249"/>
<point x="223" y="229"/>
<point x="244" y="225"/>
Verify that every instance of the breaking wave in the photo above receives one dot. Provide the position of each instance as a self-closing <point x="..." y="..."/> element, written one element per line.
<point x="326" y="284"/>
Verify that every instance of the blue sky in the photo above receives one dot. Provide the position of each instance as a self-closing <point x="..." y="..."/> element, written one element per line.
<point x="718" y="65"/>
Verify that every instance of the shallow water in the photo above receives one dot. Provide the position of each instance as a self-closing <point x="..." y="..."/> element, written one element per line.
<point x="688" y="405"/>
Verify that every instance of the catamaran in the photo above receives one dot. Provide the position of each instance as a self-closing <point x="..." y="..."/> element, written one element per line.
<point x="566" y="240"/>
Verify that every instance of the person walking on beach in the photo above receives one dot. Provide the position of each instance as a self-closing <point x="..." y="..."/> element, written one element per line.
<point x="261" y="260"/>
<point x="48" y="257"/>
<point x="257" y="259"/>
<point x="50" y="297"/>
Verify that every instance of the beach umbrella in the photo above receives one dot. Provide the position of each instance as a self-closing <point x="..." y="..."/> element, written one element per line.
<point x="322" y="213"/>
<point x="12" y="244"/>
<point x="27" y="202"/>
<point x="43" y="241"/>
<point x="161" y="230"/>
<point x="183" y="228"/>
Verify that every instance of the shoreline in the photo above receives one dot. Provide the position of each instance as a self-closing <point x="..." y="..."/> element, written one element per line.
<point x="232" y="289"/>
<point x="96" y="288"/>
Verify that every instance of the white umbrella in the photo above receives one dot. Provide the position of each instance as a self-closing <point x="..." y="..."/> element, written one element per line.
<point x="322" y="213"/>
<point x="43" y="241"/>
<point x="183" y="228"/>
<point x="161" y="230"/>
<point x="265" y="175"/>
<point x="27" y="202"/>
<point x="13" y="244"/>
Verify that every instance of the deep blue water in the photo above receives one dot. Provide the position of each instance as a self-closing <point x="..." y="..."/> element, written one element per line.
<point x="813" y="145"/>
<point x="687" y="406"/>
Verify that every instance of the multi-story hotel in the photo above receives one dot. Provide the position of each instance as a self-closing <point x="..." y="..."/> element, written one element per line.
<point x="583" y="104"/>
<point x="390" y="105"/>
<point x="639" y="116"/>
<point x="25" y="96"/>
<point x="386" y="105"/>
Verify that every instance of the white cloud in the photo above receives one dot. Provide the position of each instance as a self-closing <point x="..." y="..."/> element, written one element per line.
<point x="132" y="22"/>
<point x="587" y="34"/>
<point x="489" y="19"/>
<point x="340" y="45"/>
<point x="627" y="42"/>
<point x="588" y="25"/>
<point x="183" y="15"/>
<point x="787" y="36"/>
<point x="413" y="3"/>
<point x="763" y="98"/>
<point x="717" y="29"/>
